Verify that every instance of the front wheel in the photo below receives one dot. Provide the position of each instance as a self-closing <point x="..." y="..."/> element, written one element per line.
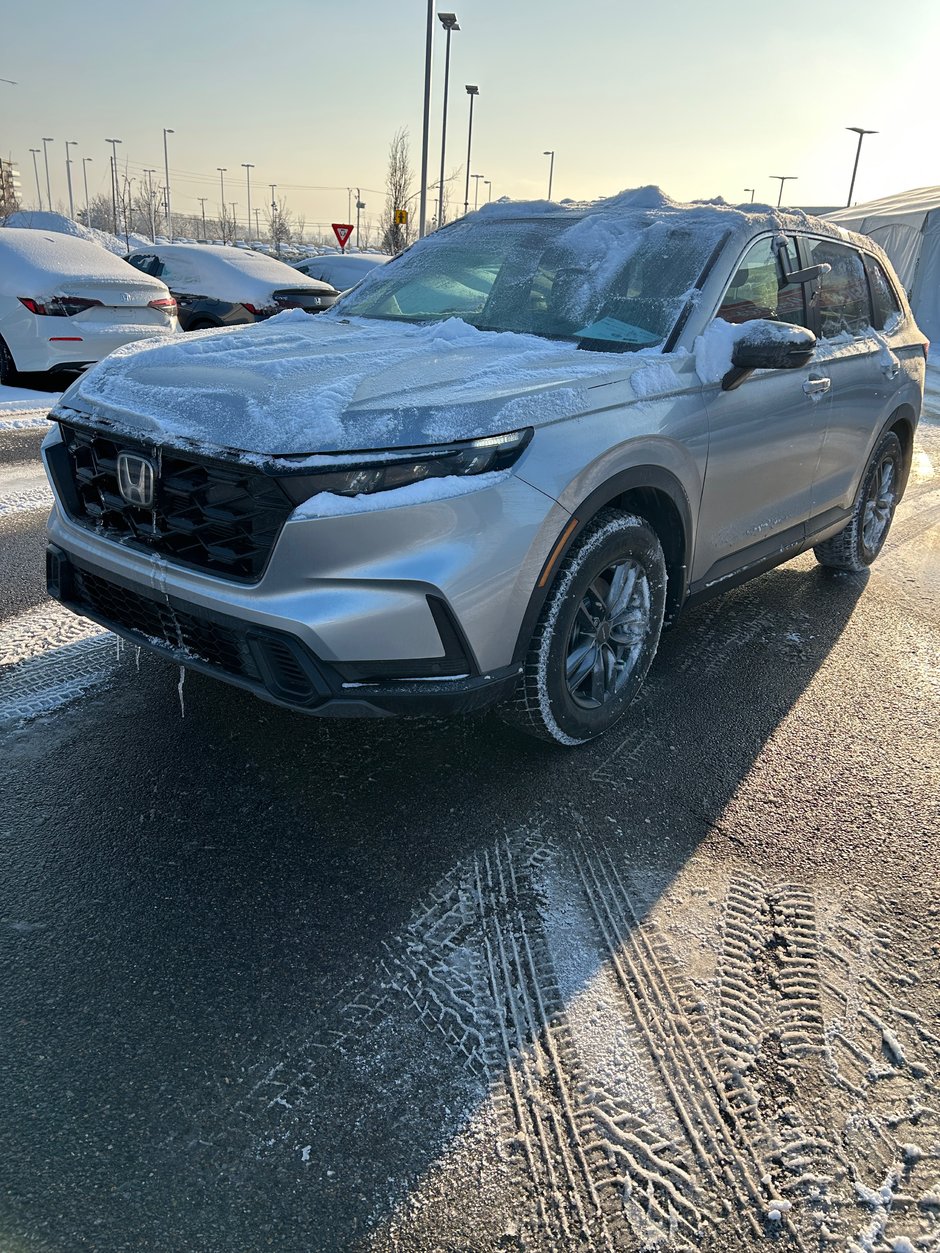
<point x="597" y="635"/>
<point x="862" y="538"/>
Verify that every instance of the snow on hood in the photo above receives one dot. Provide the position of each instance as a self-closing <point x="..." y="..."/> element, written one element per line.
<point x="300" y="385"/>
<point x="41" y="263"/>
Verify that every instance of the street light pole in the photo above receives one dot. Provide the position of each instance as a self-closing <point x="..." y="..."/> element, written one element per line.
<point x="550" y="152"/>
<point x="85" y="161"/>
<point x="114" y="191"/>
<point x="450" y="24"/>
<point x="275" y="225"/>
<point x="222" y="170"/>
<point x="257" y="224"/>
<point x="166" y="190"/>
<point x="202" y="204"/>
<point x="471" y="92"/>
<point x="70" y="143"/>
<point x="45" y="157"/>
<point x="150" y="212"/>
<point x="35" y="152"/>
<point x="234" y="206"/>
<point x="861" y="132"/>
<point x="360" y="205"/>
<point x="248" y="167"/>
<point x="476" y="191"/>
<point x="751" y="190"/>
<point x="784" y="178"/>
<point x="487" y="183"/>
<point x="426" y="127"/>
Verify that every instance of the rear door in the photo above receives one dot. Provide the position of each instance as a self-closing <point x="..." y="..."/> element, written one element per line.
<point x="854" y="351"/>
<point x="765" y="437"/>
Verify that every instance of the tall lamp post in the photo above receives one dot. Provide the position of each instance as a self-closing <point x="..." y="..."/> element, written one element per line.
<point x="150" y="213"/>
<point x="248" y="167"/>
<point x="70" y="143"/>
<point x="35" y="152"/>
<point x="471" y="92"/>
<point x="487" y="183"/>
<point x="114" y="191"/>
<point x="360" y="205"/>
<point x="166" y="190"/>
<point x="426" y="125"/>
<point x="222" y="171"/>
<point x="202" y="204"/>
<point x="476" y="191"/>
<point x="550" y="152"/>
<point x="275" y="225"/>
<point x="450" y="24"/>
<point x="45" y="157"/>
<point x="784" y="178"/>
<point x="751" y="190"/>
<point x="234" y="206"/>
<point x="861" y="132"/>
<point x="85" y="161"/>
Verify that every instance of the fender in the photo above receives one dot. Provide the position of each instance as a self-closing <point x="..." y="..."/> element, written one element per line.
<point x="634" y="478"/>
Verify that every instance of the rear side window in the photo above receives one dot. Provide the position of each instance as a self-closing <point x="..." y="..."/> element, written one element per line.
<point x="885" y="306"/>
<point x="757" y="290"/>
<point x="842" y="295"/>
<point x="147" y="263"/>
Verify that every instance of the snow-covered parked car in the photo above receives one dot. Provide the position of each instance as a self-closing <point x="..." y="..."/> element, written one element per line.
<point x="66" y="302"/>
<point x="229" y="286"/>
<point x="342" y="272"/>
<point x="500" y="465"/>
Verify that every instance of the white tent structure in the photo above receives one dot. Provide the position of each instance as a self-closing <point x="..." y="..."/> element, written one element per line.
<point x="907" y="226"/>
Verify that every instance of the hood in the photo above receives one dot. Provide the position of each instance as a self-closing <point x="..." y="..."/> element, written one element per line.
<point x="298" y="385"/>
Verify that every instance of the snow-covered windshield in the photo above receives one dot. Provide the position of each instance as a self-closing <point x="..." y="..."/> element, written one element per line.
<point x="609" y="282"/>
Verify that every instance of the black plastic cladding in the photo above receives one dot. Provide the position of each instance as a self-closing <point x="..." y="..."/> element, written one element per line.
<point x="224" y="519"/>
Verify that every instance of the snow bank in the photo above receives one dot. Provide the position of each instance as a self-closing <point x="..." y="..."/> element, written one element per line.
<point x="61" y="225"/>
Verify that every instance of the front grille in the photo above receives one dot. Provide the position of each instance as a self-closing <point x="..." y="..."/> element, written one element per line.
<point x="222" y="518"/>
<point x="200" y="639"/>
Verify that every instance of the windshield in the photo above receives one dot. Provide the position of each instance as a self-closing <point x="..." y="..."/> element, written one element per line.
<point x="606" y="282"/>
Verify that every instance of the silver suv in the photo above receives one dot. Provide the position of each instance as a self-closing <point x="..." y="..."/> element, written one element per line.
<point x="494" y="470"/>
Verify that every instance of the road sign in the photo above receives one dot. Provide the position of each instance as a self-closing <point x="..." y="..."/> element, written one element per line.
<point x="342" y="231"/>
<point x="401" y="217"/>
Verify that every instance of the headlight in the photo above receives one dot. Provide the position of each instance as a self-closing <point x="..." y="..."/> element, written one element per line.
<point x="357" y="474"/>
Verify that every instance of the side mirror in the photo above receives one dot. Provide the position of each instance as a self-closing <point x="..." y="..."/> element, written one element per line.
<point x="765" y="345"/>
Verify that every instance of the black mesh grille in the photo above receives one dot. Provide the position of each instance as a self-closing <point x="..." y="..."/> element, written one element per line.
<point x="161" y="623"/>
<point x="215" y="517"/>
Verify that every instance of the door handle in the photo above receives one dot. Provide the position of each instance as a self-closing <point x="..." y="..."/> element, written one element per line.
<point x="816" y="386"/>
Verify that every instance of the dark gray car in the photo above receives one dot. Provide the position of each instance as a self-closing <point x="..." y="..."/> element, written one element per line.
<point x="230" y="286"/>
<point x="500" y="465"/>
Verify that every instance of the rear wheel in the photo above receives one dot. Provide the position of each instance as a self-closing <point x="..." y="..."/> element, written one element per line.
<point x="597" y="634"/>
<point x="8" y="372"/>
<point x="861" y="540"/>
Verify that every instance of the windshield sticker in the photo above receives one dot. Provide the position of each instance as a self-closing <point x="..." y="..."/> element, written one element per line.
<point x="617" y="332"/>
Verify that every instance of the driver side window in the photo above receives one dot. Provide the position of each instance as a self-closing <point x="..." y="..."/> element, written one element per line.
<point x="756" y="290"/>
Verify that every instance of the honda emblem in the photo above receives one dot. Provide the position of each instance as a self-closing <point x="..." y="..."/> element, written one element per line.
<point x="136" y="479"/>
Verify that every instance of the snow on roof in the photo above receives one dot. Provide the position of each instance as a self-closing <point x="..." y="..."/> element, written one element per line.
<point x="40" y="263"/>
<point x="236" y="274"/>
<point x="30" y="219"/>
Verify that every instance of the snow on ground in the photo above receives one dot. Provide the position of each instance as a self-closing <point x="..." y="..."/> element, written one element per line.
<point x="21" y="408"/>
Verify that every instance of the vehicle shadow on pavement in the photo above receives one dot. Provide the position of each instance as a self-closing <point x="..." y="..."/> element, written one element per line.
<point x="294" y="965"/>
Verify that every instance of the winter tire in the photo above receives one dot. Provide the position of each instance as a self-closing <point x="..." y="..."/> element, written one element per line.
<point x="862" y="538"/>
<point x="597" y="634"/>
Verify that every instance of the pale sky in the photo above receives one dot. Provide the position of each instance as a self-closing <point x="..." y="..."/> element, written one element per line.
<point x="703" y="97"/>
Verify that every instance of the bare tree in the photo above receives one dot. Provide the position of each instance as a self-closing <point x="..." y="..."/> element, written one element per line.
<point x="279" y="224"/>
<point x="397" y="236"/>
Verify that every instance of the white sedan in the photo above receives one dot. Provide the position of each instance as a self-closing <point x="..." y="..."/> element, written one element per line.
<point x="66" y="303"/>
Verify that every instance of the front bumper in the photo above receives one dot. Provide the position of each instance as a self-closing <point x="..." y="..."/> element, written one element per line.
<point x="273" y="664"/>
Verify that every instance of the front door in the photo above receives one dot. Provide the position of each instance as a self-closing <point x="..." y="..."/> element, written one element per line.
<point x="765" y="437"/>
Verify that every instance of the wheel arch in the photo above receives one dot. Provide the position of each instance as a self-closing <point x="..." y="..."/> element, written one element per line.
<point x="653" y="493"/>
<point x="903" y="422"/>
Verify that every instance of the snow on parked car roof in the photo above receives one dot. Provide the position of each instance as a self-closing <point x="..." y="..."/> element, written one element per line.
<point x="40" y="263"/>
<point x="233" y="274"/>
<point x="58" y="223"/>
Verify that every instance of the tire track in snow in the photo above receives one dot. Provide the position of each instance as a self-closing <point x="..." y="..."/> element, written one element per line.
<point x="732" y="1165"/>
